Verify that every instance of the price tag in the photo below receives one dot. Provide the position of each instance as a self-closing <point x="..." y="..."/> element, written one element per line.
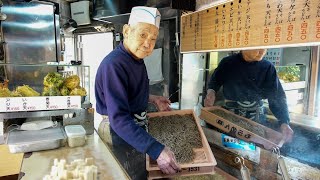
<point x="14" y="104"/>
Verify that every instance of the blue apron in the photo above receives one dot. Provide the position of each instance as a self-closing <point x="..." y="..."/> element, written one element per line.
<point x="252" y="110"/>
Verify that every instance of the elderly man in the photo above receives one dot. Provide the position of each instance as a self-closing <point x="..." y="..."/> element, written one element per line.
<point x="122" y="94"/>
<point x="246" y="80"/>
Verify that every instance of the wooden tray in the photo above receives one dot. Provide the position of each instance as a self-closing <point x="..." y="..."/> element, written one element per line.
<point x="217" y="170"/>
<point x="203" y="162"/>
<point x="272" y="139"/>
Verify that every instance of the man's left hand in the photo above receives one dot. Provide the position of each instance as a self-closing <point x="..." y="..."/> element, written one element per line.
<point x="162" y="103"/>
<point x="287" y="132"/>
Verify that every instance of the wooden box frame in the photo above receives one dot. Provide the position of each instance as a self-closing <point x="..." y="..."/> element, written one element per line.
<point x="274" y="138"/>
<point x="203" y="163"/>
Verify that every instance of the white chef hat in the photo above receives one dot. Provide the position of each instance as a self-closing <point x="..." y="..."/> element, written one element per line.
<point x="145" y="14"/>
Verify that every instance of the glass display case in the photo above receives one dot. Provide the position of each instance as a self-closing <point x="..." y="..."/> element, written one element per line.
<point x="289" y="74"/>
<point x="46" y="92"/>
<point x="294" y="82"/>
<point x="25" y="80"/>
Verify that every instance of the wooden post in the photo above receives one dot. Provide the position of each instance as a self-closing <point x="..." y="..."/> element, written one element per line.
<point x="313" y="85"/>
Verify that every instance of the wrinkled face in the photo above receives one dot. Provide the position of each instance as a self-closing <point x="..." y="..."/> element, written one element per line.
<point x="253" y="55"/>
<point x="140" y="39"/>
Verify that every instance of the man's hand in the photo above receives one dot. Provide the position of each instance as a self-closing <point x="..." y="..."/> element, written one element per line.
<point x="162" y="103"/>
<point x="167" y="162"/>
<point x="287" y="132"/>
<point x="210" y="98"/>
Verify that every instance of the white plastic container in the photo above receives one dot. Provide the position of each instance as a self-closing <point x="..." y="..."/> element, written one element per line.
<point x="76" y="135"/>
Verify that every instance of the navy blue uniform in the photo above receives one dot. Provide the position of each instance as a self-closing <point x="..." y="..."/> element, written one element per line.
<point x="122" y="90"/>
<point x="250" y="81"/>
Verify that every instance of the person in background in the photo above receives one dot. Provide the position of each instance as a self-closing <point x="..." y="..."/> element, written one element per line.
<point x="246" y="80"/>
<point x="122" y="95"/>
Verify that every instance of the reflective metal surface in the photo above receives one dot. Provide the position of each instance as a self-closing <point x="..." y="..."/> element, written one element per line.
<point x="166" y="13"/>
<point x="29" y="32"/>
<point x="30" y="38"/>
<point x="193" y="67"/>
<point x="108" y="8"/>
<point x="118" y="12"/>
<point x="83" y="117"/>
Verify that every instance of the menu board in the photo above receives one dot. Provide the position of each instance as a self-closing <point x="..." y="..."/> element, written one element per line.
<point x="274" y="56"/>
<point x="204" y="4"/>
<point x="249" y="24"/>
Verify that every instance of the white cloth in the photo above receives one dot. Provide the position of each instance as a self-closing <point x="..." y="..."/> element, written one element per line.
<point x="154" y="66"/>
<point x="145" y="14"/>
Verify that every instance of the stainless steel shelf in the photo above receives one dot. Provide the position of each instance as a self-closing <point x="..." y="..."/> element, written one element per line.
<point x="11" y="115"/>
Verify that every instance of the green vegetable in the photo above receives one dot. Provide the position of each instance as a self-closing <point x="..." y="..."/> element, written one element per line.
<point x="51" y="91"/>
<point x="53" y="79"/>
<point x="27" y="91"/>
<point x="64" y="91"/>
<point x="72" y="82"/>
<point x="5" y="92"/>
<point x="78" y="91"/>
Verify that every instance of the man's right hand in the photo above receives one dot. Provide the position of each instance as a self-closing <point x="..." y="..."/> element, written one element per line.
<point x="210" y="98"/>
<point x="167" y="162"/>
<point x="287" y="132"/>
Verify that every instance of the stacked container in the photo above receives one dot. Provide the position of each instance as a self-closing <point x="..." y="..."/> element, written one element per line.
<point x="76" y="135"/>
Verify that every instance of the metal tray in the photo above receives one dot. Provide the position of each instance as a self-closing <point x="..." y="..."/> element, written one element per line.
<point x="29" y="141"/>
